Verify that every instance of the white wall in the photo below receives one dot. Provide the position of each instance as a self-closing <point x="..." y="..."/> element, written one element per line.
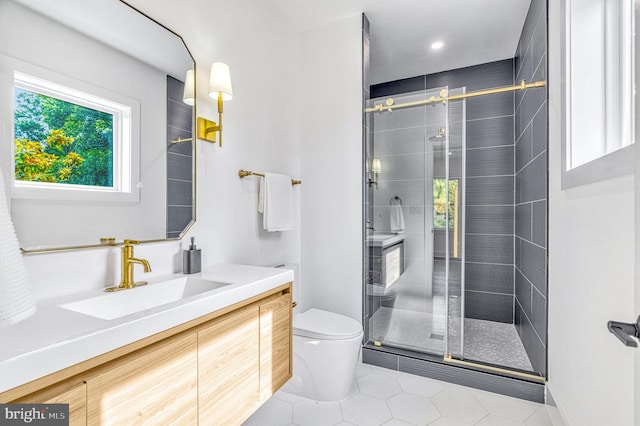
<point x="331" y="159"/>
<point x="591" y="261"/>
<point x="261" y="133"/>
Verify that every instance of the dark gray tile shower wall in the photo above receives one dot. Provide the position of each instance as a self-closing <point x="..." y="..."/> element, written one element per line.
<point x="531" y="188"/>
<point x="179" y="160"/>
<point x="490" y="183"/>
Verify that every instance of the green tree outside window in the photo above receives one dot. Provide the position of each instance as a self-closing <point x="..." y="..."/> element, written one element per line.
<point x="440" y="202"/>
<point x="61" y="142"/>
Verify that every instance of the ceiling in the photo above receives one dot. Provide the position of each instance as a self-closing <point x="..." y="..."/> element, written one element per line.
<point x="402" y="31"/>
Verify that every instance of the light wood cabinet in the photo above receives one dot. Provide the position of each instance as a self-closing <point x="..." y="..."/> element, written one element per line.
<point x="243" y="358"/>
<point x="229" y="367"/>
<point x="156" y="385"/>
<point x="215" y="370"/>
<point x="275" y="344"/>
<point x="73" y="393"/>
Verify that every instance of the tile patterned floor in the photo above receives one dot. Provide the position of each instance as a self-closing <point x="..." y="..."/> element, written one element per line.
<point x="391" y="398"/>
<point x="486" y="341"/>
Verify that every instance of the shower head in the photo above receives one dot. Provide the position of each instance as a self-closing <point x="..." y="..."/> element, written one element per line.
<point x="442" y="133"/>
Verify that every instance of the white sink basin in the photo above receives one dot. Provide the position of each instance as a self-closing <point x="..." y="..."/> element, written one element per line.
<point x="115" y="305"/>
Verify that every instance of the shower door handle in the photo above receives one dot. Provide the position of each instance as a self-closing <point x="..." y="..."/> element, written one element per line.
<point x="456" y="219"/>
<point x="624" y="331"/>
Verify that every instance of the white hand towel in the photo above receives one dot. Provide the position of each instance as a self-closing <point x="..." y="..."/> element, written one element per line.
<point x="397" y="219"/>
<point x="275" y="202"/>
<point x="16" y="297"/>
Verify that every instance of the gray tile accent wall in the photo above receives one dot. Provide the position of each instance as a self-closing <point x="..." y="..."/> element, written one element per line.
<point x="489" y="219"/>
<point x="487" y="133"/>
<point x="531" y="188"/>
<point x="179" y="160"/>
<point x="489" y="224"/>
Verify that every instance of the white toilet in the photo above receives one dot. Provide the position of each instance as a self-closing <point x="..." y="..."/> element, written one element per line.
<point x="326" y="348"/>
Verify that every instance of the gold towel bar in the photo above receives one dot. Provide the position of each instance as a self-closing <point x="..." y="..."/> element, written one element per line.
<point x="245" y="173"/>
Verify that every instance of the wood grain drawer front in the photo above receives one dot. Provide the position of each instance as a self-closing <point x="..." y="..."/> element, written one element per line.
<point x="275" y="344"/>
<point x="75" y="396"/>
<point x="228" y="368"/>
<point x="156" y="385"/>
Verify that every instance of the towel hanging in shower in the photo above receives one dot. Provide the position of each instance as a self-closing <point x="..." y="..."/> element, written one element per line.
<point x="396" y="218"/>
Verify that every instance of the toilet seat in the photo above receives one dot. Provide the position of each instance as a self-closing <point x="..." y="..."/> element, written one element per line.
<point x="319" y="324"/>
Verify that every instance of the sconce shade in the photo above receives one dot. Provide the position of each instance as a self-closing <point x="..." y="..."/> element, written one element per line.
<point x="220" y="81"/>
<point x="376" y="166"/>
<point x="188" y="96"/>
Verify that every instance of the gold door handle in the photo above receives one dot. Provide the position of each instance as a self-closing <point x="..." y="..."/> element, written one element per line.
<point x="455" y="223"/>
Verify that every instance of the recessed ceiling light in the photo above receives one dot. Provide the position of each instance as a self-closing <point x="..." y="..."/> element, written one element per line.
<point x="437" y="45"/>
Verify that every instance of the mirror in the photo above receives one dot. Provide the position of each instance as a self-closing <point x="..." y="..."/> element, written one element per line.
<point x="82" y="56"/>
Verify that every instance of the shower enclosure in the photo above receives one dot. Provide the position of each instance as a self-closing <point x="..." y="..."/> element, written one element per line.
<point x="417" y="197"/>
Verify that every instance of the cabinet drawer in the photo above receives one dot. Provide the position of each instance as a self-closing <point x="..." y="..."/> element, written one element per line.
<point x="153" y="386"/>
<point x="228" y="368"/>
<point x="275" y="344"/>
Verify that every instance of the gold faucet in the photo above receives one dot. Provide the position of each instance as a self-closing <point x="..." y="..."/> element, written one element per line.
<point x="128" y="261"/>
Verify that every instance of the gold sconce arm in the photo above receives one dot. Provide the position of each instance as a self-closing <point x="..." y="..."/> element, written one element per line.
<point x="207" y="129"/>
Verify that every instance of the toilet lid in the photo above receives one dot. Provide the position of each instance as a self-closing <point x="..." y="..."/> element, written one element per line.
<point x="319" y="324"/>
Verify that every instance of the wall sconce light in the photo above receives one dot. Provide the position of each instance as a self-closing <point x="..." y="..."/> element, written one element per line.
<point x="220" y="89"/>
<point x="188" y="96"/>
<point x="376" y="169"/>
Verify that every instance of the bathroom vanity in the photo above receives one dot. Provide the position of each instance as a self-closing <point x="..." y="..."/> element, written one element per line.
<point x="386" y="255"/>
<point x="216" y="367"/>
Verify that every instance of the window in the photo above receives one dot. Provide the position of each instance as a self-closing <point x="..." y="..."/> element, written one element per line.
<point x="61" y="142"/>
<point x="440" y="202"/>
<point x="68" y="140"/>
<point x="598" y="111"/>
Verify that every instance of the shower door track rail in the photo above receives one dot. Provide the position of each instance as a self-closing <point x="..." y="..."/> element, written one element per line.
<point x="451" y="360"/>
<point x="444" y="96"/>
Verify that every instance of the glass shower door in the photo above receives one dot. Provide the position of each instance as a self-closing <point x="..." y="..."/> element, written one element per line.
<point x="446" y="136"/>
<point x="414" y="171"/>
<point x="416" y="157"/>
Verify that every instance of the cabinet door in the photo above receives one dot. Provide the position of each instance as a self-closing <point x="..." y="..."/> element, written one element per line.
<point x="156" y="385"/>
<point x="228" y="368"/>
<point x="75" y="396"/>
<point x="275" y="344"/>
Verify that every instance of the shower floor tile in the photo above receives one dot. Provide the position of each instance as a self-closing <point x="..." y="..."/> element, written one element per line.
<point x="485" y="341"/>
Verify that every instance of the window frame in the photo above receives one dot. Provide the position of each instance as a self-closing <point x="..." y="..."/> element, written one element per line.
<point x="126" y="137"/>
<point x="611" y="163"/>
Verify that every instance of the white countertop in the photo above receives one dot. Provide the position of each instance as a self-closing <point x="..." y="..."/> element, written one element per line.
<point x="55" y="338"/>
<point x="384" y="240"/>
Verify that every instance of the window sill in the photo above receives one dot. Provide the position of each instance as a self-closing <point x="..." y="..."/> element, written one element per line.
<point x="615" y="164"/>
